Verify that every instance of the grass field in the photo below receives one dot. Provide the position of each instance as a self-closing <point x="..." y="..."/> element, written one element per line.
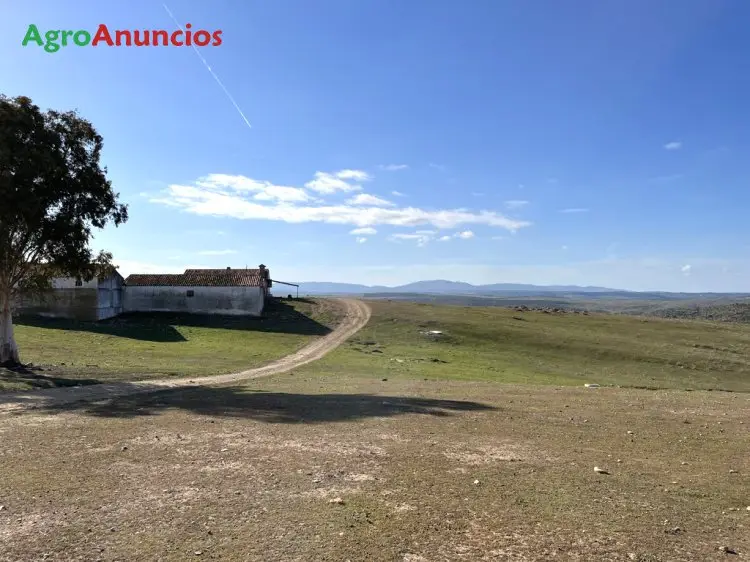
<point x="503" y="345"/>
<point x="142" y="346"/>
<point x="361" y="457"/>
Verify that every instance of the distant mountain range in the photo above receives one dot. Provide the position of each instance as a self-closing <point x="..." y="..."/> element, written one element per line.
<point x="443" y="287"/>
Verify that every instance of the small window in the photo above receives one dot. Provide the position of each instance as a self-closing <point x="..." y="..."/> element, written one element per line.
<point x="79" y="283"/>
<point x="191" y="293"/>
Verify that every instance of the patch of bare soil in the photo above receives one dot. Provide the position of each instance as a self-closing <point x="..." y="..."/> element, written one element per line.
<point x="401" y="471"/>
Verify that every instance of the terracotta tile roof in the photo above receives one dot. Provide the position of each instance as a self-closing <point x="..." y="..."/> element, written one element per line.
<point x="198" y="278"/>
<point x="155" y="279"/>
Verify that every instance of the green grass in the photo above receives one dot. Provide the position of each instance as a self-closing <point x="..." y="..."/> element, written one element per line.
<point x="141" y="346"/>
<point x="503" y="345"/>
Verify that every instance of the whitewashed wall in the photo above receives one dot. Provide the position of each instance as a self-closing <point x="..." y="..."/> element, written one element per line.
<point x="92" y="300"/>
<point x="206" y="300"/>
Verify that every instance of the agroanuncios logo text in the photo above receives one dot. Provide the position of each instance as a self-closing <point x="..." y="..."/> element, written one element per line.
<point x="54" y="39"/>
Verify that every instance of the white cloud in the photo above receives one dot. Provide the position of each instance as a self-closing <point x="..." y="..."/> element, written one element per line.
<point x="516" y="204"/>
<point x="464" y="235"/>
<point x="367" y="199"/>
<point x="366" y="230"/>
<point x="686" y="269"/>
<point x="357" y="175"/>
<point x="420" y="239"/>
<point x="217" y="252"/>
<point x="574" y="210"/>
<point x="674" y="145"/>
<point x="361" y="240"/>
<point x="214" y="198"/>
<point x="394" y="167"/>
<point x="264" y="191"/>
<point x="328" y="183"/>
<point x="398" y="194"/>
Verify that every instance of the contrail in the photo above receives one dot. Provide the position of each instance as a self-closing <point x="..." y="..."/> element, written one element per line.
<point x="208" y="67"/>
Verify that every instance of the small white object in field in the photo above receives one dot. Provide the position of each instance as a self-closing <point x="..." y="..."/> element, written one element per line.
<point x="732" y="471"/>
<point x="600" y="470"/>
<point x="748" y="508"/>
<point x="619" y="460"/>
<point x="224" y="450"/>
<point x="476" y="482"/>
<point x="338" y="501"/>
<point x="591" y="385"/>
<point x="630" y="433"/>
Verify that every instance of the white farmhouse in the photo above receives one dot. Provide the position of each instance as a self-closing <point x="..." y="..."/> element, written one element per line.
<point x="98" y="299"/>
<point x="199" y="291"/>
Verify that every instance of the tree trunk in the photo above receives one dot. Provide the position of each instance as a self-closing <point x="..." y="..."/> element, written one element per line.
<point x="8" y="347"/>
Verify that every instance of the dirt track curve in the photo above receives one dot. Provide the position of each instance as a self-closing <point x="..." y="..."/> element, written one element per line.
<point x="355" y="316"/>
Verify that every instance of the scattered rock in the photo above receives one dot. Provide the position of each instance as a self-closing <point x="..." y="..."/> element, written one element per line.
<point x="600" y="470"/>
<point x="476" y="482"/>
<point x="198" y="552"/>
<point x="2" y="507"/>
<point x="384" y="380"/>
<point x="684" y="463"/>
<point x="732" y="471"/>
<point x="630" y="433"/>
<point x="674" y="531"/>
<point x="224" y="450"/>
<point x="591" y="385"/>
<point x="124" y="448"/>
<point x="337" y="501"/>
<point x="727" y="550"/>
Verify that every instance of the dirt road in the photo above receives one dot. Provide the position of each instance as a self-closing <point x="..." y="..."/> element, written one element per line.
<point x="355" y="315"/>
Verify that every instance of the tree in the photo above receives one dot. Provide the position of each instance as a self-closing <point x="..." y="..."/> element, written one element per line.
<point x="53" y="192"/>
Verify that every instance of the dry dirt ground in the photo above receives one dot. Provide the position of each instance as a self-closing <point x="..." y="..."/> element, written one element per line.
<point x="297" y="467"/>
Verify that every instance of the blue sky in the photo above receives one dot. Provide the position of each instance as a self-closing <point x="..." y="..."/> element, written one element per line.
<point x="588" y="142"/>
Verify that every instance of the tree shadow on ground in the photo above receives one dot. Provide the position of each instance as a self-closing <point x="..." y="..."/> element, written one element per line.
<point x="34" y="377"/>
<point x="270" y="407"/>
<point x="278" y="317"/>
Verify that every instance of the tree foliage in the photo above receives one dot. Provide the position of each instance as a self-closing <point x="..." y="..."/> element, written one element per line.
<point x="53" y="193"/>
